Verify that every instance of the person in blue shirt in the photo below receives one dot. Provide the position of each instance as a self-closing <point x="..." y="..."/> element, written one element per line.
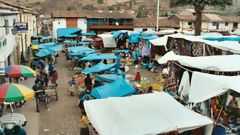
<point x="71" y="88"/>
<point x="16" y="130"/>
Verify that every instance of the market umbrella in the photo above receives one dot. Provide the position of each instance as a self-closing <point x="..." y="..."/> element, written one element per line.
<point x="17" y="71"/>
<point x="11" y="92"/>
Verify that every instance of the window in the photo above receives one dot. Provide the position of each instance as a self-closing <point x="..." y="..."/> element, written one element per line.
<point x="190" y="23"/>
<point x="226" y="23"/>
<point x="215" y="23"/>
<point x="4" y="42"/>
<point x="6" y="25"/>
<point x="235" y="25"/>
<point x="14" y="22"/>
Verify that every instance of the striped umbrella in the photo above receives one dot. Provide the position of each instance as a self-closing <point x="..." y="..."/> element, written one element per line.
<point x="11" y="92"/>
<point x="17" y="71"/>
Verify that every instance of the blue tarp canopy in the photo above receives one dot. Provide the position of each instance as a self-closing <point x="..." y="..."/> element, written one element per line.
<point x="99" y="68"/>
<point x="36" y="36"/>
<point x="121" y="51"/>
<point x="67" y="41"/>
<point x="98" y="56"/>
<point x="134" y="38"/>
<point x="63" y="32"/>
<point x="108" y="78"/>
<point x="89" y="34"/>
<point x="228" y="38"/>
<point x="47" y="45"/>
<point x="79" y="49"/>
<point x="50" y="43"/>
<point x="116" y="34"/>
<point x="79" y="43"/>
<point x="79" y="54"/>
<point x="56" y="48"/>
<point x="35" y="42"/>
<point x="149" y="37"/>
<point x="43" y="53"/>
<point x="71" y="36"/>
<point x="48" y="37"/>
<point x="119" y="88"/>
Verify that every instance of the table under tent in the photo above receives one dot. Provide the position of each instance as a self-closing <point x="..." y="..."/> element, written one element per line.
<point x="210" y="82"/>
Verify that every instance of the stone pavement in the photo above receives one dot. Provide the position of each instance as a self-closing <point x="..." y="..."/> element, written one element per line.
<point x="63" y="116"/>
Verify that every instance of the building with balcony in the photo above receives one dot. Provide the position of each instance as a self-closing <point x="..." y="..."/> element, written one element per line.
<point x="11" y="43"/>
<point x="92" y="20"/>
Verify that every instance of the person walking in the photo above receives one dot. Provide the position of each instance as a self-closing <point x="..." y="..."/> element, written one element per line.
<point x="22" y="59"/>
<point x="71" y="84"/>
<point x="39" y="92"/>
<point x="138" y="77"/>
<point x="54" y="78"/>
<point x="46" y="80"/>
<point x="88" y="82"/>
<point x="84" y="124"/>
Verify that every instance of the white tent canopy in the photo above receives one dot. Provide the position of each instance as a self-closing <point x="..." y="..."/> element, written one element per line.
<point x="142" y="114"/>
<point x="232" y="46"/>
<point x="227" y="63"/>
<point x="162" y="41"/>
<point x="205" y="86"/>
<point x="108" y="40"/>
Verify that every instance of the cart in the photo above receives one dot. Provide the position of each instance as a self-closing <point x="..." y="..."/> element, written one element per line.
<point x="52" y="92"/>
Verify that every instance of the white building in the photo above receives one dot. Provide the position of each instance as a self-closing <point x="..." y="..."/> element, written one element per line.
<point x="223" y="23"/>
<point x="8" y="44"/>
<point x="12" y="42"/>
<point x="73" y="19"/>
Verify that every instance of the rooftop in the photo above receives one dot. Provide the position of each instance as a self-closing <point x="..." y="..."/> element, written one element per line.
<point x="92" y="14"/>
<point x="151" y="22"/>
<point x="190" y="17"/>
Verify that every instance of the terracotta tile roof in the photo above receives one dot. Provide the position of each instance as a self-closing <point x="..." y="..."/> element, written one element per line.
<point x="214" y="17"/>
<point x="151" y="22"/>
<point x="143" y="22"/>
<point x="190" y="18"/>
<point x="230" y="18"/>
<point x="167" y="23"/>
<point x="123" y="27"/>
<point x="12" y="5"/>
<point x="219" y="18"/>
<point x="91" y="14"/>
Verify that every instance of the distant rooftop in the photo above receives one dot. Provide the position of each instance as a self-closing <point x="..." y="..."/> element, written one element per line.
<point x="92" y="14"/>
<point x="151" y="22"/>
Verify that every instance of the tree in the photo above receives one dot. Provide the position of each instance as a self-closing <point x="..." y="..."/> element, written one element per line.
<point x="131" y="2"/>
<point x="238" y="13"/>
<point x="199" y="6"/>
<point x="142" y="12"/>
<point x="100" y="1"/>
<point x="88" y="7"/>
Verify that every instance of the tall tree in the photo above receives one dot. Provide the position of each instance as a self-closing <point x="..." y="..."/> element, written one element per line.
<point x="199" y="6"/>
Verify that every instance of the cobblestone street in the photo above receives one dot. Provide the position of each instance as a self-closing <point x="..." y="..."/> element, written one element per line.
<point x="63" y="116"/>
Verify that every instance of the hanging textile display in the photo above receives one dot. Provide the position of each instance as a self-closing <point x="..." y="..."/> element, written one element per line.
<point x="188" y="48"/>
<point x="197" y="49"/>
<point x="171" y="76"/>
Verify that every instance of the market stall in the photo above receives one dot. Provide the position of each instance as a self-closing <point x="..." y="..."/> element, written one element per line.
<point x="158" y="110"/>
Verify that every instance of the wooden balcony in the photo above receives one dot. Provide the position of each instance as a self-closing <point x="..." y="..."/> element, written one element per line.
<point x="111" y="27"/>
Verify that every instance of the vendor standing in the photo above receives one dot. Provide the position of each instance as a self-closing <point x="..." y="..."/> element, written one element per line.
<point x="88" y="82"/>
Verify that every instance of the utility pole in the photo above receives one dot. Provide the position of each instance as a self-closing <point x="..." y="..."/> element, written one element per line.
<point x="158" y="4"/>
